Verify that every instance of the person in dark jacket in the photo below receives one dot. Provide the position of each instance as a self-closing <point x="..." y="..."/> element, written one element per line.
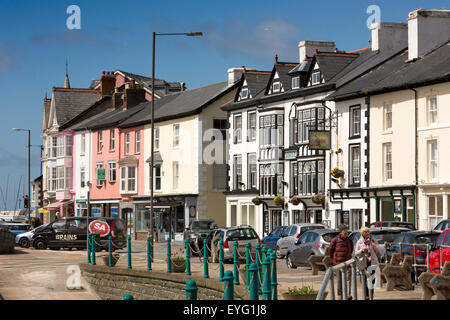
<point x="341" y="249"/>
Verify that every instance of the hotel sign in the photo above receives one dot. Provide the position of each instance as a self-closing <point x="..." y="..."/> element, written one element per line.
<point x="101" y="174"/>
<point x="319" y="140"/>
<point x="290" y="154"/>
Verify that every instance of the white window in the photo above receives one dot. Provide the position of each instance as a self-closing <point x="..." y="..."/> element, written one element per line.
<point x="237" y="172"/>
<point x="99" y="141"/>
<point x="388" y="116"/>
<point x="433" y="160"/>
<point x="83" y="144"/>
<point x="432" y="110"/>
<point x="355" y="121"/>
<point x="60" y="178"/>
<point x="251" y="171"/>
<point x="156" y="139"/>
<point x="52" y="147"/>
<point x="237" y="127"/>
<point x="68" y="178"/>
<point x="295" y="82"/>
<point x="112" y="139"/>
<point x="60" y="147"/>
<point x="82" y="177"/>
<point x="276" y="86"/>
<point x="176" y="175"/>
<point x="157" y="174"/>
<point x="51" y="179"/>
<point x="315" y="77"/>
<point x="127" y="143"/>
<point x="244" y="93"/>
<point x="111" y="171"/>
<point x="68" y="142"/>
<point x="435" y="210"/>
<point x="176" y="135"/>
<point x="128" y="179"/>
<point x="99" y="165"/>
<point x="138" y="142"/>
<point x="355" y="163"/>
<point x="387" y="160"/>
<point x="251" y="126"/>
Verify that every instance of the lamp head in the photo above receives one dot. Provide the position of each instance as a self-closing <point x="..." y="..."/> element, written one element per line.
<point x="195" y="34"/>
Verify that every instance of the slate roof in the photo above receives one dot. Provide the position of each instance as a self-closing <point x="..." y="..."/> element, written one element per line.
<point x="330" y="63"/>
<point x="160" y="85"/>
<point x="112" y="118"/>
<point x="78" y="123"/>
<point x="70" y="102"/>
<point x="256" y="81"/>
<point x="179" y="104"/>
<point x="282" y="69"/>
<point x="301" y="67"/>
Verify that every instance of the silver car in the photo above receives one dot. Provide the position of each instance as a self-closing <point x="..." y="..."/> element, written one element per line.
<point x="291" y="235"/>
<point x="313" y="242"/>
<point x="24" y="239"/>
<point x="241" y="234"/>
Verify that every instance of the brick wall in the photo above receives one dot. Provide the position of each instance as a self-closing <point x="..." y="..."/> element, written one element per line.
<point x="114" y="283"/>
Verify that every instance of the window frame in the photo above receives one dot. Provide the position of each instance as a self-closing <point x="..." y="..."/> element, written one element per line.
<point x="137" y="146"/>
<point x="127" y="142"/>
<point x="176" y="175"/>
<point x="314" y="75"/>
<point x="125" y="179"/>
<point x="157" y="177"/>
<point x="352" y="133"/>
<point x="112" y="140"/>
<point x="242" y="95"/>
<point x="99" y="141"/>
<point x="251" y="130"/>
<point x="388" y="117"/>
<point x="351" y="168"/>
<point x="295" y="79"/>
<point x="112" y="170"/>
<point x="278" y="83"/>
<point x="237" y="132"/>
<point x="156" y="141"/>
<point x="430" y="160"/>
<point x="435" y="111"/>
<point x="98" y="165"/>
<point x="236" y="176"/>
<point x="252" y="174"/>
<point x="176" y="136"/>
<point x="387" y="176"/>
<point x="83" y="144"/>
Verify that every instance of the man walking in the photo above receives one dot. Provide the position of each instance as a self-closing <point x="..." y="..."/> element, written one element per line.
<point x="341" y="249"/>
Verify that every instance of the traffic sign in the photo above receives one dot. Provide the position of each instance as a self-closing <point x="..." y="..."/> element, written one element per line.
<point x="98" y="226"/>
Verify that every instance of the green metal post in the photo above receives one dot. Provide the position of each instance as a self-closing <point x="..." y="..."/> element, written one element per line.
<point x="169" y="254"/>
<point x="205" y="259"/>
<point x="93" y="249"/>
<point x="273" y="257"/>
<point x="377" y="209"/>
<point x="188" y="260"/>
<point x="128" y="297"/>
<point x="191" y="289"/>
<point x="109" y="251"/>
<point x="258" y="262"/>
<point x="149" y="254"/>
<point x="264" y="252"/>
<point x="404" y="218"/>
<point x="221" y="267"/>
<point x="228" y="285"/>
<point x="254" y="281"/>
<point x="247" y="264"/>
<point x="88" y="248"/>
<point x="129" y="251"/>
<point x="267" y="287"/>
<point x="236" y="262"/>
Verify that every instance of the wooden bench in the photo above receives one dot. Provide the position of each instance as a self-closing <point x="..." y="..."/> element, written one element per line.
<point x="321" y="263"/>
<point x="396" y="260"/>
<point x="436" y="284"/>
<point x="398" y="275"/>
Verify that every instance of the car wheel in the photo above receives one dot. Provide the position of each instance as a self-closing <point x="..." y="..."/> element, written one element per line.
<point x="278" y="253"/>
<point x="40" y="245"/>
<point x="24" y="243"/>
<point x="289" y="262"/>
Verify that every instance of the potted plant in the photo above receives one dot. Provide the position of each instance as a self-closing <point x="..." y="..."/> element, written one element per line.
<point x="295" y="200"/>
<point x="256" y="200"/>
<point x="115" y="258"/>
<point x="178" y="261"/>
<point x="305" y="292"/>
<point x="337" y="173"/>
<point x="278" y="200"/>
<point x="318" y="198"/>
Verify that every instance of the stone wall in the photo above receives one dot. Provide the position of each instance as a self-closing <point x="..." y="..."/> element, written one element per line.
<point x="114" y="283"/>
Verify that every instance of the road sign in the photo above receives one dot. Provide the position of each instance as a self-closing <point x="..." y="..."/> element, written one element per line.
<point x="98" y="226"/>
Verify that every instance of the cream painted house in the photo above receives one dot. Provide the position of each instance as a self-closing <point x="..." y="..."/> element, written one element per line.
<point x="189" y="177"/>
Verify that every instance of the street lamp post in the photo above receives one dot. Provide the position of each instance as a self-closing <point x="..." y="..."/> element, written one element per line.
<point x="89" y="184"/>
<point x="189" y="34"/>
<point x="29" y="164"/>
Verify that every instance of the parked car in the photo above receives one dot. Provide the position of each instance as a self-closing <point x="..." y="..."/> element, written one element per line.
<point x="443" y="225"/>
<point x="290" y="236"/>
<point x="241" y="234"/>
<point x="435" y="254"/>
<point x="15" y="228"/>
<point x="312" y="242"/>
<point x="71" y="232"/>
<point x="398" y="224"/>
<point x="197" y="231"/>
<point x="270" y="240"/>
<point x="418" y="237"/>
<point x="381" y="235"/>
<point x="24" y="239"/>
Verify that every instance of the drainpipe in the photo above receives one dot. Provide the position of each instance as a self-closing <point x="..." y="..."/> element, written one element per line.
<point x="416" y="155"/>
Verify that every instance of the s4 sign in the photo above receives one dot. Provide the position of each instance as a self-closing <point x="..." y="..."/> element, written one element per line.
<point x="98" y="226"/>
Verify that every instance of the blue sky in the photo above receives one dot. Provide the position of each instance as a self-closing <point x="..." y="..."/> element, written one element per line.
<point x="35" y="42"/>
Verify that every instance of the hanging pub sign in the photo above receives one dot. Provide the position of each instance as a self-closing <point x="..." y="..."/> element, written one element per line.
<point x="101" y="174"/>
<point x="319" y="140"/>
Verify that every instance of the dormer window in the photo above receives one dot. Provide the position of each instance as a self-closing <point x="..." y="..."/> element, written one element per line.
<point x="315" y="78"/>
<point x="276" y="86"/>
<point x="244" y="93"/>
<point x="296" y="82"/>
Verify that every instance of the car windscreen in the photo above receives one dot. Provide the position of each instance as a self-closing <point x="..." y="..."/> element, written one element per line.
<point x="241" y="234"/>
<point x="328" y="236"/>
<point x="40" y="228"/>
<point x="426" y="238"/>
<point x="402" y="225"/>
<point x="202" y="224"/>
<point x="384" y="236"/>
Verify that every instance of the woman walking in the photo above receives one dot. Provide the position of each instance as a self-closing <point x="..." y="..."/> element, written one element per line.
<point x="366" y="253"/>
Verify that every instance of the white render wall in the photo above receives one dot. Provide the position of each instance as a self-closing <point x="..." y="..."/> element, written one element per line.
<point x="82" y="160"/>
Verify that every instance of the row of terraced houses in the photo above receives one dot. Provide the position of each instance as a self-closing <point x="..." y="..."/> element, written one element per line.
<point x="335" y="137"/>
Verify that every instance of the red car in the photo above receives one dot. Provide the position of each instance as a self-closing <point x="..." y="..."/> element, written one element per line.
<point x="435" y="255"/>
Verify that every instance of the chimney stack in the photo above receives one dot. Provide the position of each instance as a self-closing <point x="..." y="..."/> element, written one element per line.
<point x="427" y="30"/>
<point x="107" y="82"/>
<point x="117" y="99"/>
<point x="133" y="94"/>
<point x="307" y="48"/>
<point x="389" y="36"/>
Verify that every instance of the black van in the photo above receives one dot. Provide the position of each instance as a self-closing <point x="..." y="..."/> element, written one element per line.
<point x="70" y="232"/>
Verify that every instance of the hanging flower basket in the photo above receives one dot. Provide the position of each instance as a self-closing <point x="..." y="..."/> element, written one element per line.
<point x="318" y="198"/>
<point x="256" y="201"/>
<point x="337" y="173"/>
<point x="295" y="200"/>
<point x="278" y="200"/>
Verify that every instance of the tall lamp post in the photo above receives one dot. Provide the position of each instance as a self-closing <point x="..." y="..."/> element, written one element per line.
<point x="89" y="185"/>
<point x="29" y="166"/>
<point x="189" y="34"/>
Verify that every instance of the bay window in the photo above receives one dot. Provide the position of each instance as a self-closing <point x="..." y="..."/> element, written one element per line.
<point x="270" y="177"/>
<point x="271" y="130"/>
<point x="311" y="177"/>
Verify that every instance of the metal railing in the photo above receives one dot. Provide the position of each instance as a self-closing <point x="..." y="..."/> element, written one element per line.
<point x="415" y="265"/>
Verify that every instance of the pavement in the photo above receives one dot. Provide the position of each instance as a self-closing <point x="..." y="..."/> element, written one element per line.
<point x="31" y="274"/>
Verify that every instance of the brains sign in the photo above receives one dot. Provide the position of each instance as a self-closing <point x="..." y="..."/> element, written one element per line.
<point x="98" y="226"/>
